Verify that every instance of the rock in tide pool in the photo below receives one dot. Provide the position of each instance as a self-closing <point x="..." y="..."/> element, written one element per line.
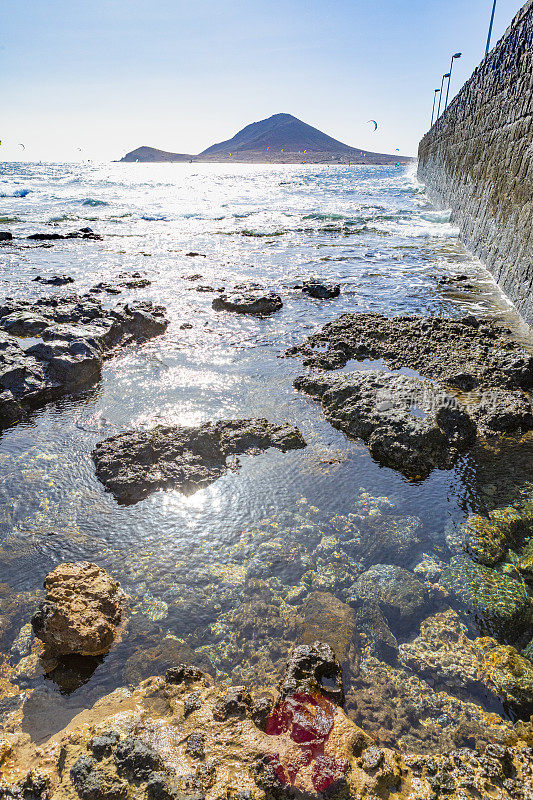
<point x="54" y="280"/>
<point x="313" y="668"/>
<point x="134" y="464"/>
<point x="464" y="353"/>
<point x="443" y="652"/>
<point x="407" y="423"/>
<point x="82" y="611"/>
<point x="138" y="744"/>
<point x="402" y="598"/>
<point x="500" y="602"/>
<point x="77" y="334"/>
<point x="259" y="304"/>
<point x="488" y="539"/>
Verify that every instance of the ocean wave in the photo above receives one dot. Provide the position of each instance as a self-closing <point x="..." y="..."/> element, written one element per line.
<point x="324" y="217"/>
<point x="148" y="218"/>
<point x="90" y="201"/>
<point x="17" y="193"/>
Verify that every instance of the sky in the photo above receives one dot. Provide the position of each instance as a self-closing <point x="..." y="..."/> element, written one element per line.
<point x="94" y="80"/>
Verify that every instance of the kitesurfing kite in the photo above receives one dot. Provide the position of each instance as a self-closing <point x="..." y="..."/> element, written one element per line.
<point x="21" y="145"/>
<point x="374" y="123"/>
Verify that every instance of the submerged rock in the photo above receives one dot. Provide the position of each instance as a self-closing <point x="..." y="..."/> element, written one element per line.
<point x="82" y="610"/>
<point x="134" y="464"/>
<point x="488" y="539"/>
<point x="402" y="598"/>
<point x="82" y="233"/>
<point x="443" y="652"/>
<point x="500" y="602"/>
<point x="257" y="303"/>
<point x="408" y="424"/>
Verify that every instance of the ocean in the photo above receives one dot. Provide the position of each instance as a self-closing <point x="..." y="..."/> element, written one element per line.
<point x="223" y="576"/>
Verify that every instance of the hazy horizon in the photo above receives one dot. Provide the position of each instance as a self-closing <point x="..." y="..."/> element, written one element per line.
<point x="96" y="82"/>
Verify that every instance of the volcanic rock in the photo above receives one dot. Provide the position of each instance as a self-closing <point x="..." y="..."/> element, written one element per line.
<point x="255" y="303"/>
<point x="82" y="610"/>
<point x="443" y="652"/>
<point x="77" y="334"/>
<point x="313" y="668"/>
<point x="5" y="236"/>
<point x="402" y="598"/>
<point x="134" y="464"/>
<point x="407" y="423"/>
<point x="54" y="280"/>
<point x="321" y="291"/>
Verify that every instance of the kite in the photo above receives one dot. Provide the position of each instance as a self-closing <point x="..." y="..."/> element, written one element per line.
<point x="268" y="148"/>
<point x="21" y="145"/>
<point x="397" y="149"/>
<point x="305" y="151"/>
<point x="282" y="149"/>
<point x="374" y="123"/>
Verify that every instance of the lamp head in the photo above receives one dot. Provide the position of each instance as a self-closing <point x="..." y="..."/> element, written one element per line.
<point x="458" y="55"/>
<point x="437" y="90"/>
<point x="447" y="75"/>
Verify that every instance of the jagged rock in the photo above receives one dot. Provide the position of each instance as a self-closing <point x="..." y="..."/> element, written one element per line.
<point x="484" y="354"/>
<point x="402" y="598"/>
<point x="54" y="280"/>
<point x="502" y="411"/>
<point x="5" y="236"/>
<point x="236" y="703"/>
<point x="499" y="601"/>
<point x="136" y="759"/>
<point x="258" y="304"/>
<point x="196" y="745"/>
<point x="134" y="464"/>
<point x="321" y="291"/>
<point x="92" y="783"/>
<point x="82" y="610"/>
<point x="77" y="333"/>
<point x="407" y="423"/>
<point x="183" y="673"/>
<point x="82" y="233"/>
<point x="443" y="652"/>
<point x="313" y="668"/>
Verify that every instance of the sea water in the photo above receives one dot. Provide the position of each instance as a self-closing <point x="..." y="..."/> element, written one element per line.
<point x="222" y="576"/>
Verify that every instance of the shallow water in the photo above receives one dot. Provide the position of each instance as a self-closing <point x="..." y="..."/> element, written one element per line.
<point x="188" y="562"/>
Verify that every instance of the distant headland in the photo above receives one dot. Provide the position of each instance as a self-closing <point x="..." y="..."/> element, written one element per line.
<point x="280" y="139"/>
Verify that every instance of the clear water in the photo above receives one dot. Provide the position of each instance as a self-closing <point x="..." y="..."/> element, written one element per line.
<point x="187" y="562"/>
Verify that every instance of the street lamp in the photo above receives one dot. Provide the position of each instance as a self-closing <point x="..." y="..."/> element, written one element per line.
<point x="490" y="28"/>
<point x="434" y="103"/>
<point x="447" y="75"/>
<point x="456" y="55"/>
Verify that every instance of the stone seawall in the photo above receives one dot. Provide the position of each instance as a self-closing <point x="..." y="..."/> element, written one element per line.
<point x="478" y="160"/>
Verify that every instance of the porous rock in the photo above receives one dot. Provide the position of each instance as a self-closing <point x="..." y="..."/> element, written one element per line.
<point x="82" y="610"/>
<point x="407" y="423"/>
<point x="259" y="304"/>
<point x="313" y="668"/>
<point x="134" y="464"/>
<point x="320" y="290"/>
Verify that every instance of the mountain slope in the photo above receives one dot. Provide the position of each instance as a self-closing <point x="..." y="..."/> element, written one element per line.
<point x="152" y="154"/>
<point x="277" y="132"/>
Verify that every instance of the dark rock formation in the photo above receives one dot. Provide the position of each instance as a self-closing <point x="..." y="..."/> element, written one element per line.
<point x="313" y="668"/>
<point x="321" y="291"/>
<point x="461" y="353"/>
<point x="260" y="304"/>
<point x="82" y="610"/>
<point x="54" y="280"/>
<point x="407" y="423"/>
<point x="82" y="233"/>
<point x="77" y="334"/>
<point x="477" y="159"/>
<point x="134" y="464"/>
<point x="5" y="236"/>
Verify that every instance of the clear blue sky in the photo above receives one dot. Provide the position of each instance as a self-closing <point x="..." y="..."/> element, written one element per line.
<point x="110" y="75"/>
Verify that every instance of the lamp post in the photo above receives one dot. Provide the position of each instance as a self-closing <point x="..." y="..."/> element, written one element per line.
<point x="456" y="55"/>
<point x="447" y="75"/>
<point x="434" y="103"/>
<point x="490" y="28"/>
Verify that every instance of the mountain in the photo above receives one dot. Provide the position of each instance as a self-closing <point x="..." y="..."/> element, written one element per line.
<point x="280" y="139"/>
<point x="152" y="154"/>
